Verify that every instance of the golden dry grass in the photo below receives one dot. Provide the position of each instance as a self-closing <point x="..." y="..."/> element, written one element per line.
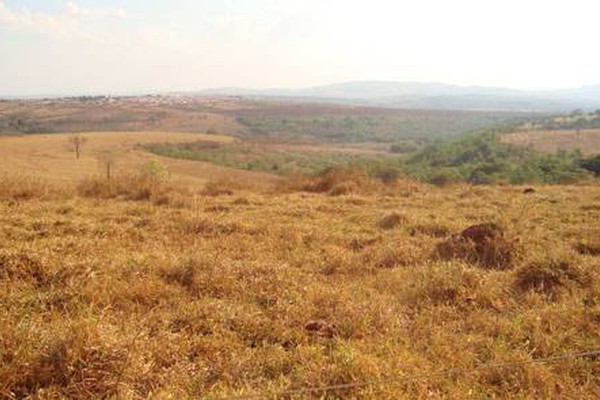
<point x="242" y="292"/>
<point x="51" y="157"/>
<point x="586" y="140"/>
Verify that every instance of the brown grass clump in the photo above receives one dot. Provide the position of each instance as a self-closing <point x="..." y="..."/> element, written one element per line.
<point x="344" y="188"/>
<point x="391" y="221"/>
<point x="207" y="227"/>
<point x="484" y="244"/>
<point x="21" y="266"/>
<point x="547" y="277"/>
<point x="220" y="188"/>
<point x="358" y="244"/>
<point x="320" y="328"/>
<point x="67" y="365"/>
<point x="184" y="275"/>
<point x="23" y="188"/>
<point x="432" y="230"/>
<point x="588" y="247"/>
<point x="130" y="187"/>
<point x="335" y="181"/>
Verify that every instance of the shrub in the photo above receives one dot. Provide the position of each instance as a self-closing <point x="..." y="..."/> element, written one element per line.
<point x="444" y="177"/>
<point x="399" y="148"/>
<point x="154" y="171"/>
<point x="387" y="175"/>
<point x="591" y="164"/>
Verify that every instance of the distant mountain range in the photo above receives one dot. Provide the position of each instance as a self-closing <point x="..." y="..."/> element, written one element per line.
<point x="430" y="96"/>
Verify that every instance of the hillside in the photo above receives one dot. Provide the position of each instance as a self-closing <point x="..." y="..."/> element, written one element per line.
<point x="102" y="113"/>
<point x="289" y="121"/>
<point x="52" y="157"/>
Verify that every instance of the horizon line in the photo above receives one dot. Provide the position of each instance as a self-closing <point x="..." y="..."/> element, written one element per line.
<point x="198" y="91"/>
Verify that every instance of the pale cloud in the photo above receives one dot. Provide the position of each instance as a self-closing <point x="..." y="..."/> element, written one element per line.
<point x="38" y="22"/>
<point x="76" y="10"/>
<point x="66" y="23"/>
<point x="184" y="44"/>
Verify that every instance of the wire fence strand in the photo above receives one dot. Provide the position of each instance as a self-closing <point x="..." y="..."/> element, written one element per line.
<point x="398" y="379"/>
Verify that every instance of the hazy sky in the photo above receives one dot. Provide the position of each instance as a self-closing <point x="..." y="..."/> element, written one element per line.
<point x="111" y="46"/>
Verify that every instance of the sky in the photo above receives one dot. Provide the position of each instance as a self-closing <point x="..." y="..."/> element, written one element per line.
<point x="144" y="46"/>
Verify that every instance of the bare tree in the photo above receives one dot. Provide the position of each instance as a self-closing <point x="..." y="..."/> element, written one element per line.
<point x="106" y="161"/>
<point x="77" y="141"/>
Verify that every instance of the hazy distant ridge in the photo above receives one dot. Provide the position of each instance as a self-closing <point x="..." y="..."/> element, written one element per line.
<point x="433" y="95"/>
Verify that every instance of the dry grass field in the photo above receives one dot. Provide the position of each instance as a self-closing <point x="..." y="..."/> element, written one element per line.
<point x="146" y="289"/>
<point x="213" y="282"/>
<point x="52" y="156"/>
<point x="550" y="141"/>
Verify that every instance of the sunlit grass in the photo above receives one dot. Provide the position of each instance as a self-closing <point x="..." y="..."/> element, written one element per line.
<point x="132" y="289"/>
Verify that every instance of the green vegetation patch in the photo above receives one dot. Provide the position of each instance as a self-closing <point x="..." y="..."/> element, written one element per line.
<point x="258" y="158"/>
<point x="367" y="125"/>
<point x="483" y="159"/>
<point x="574" y="121"/>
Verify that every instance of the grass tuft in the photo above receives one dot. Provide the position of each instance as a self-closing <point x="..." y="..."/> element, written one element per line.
<point x="483" y="244"/>
<point x="392" y="221"/>
<point x="547" y="277"/>
<point x="588" y="247"/>
<point x="105" y="297"/>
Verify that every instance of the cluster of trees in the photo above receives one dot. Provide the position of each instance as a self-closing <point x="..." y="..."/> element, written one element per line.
<point x="391" y="127"/>
<point x="483" y="159"/>
<point x="479" y="158"/>
<point x="575" y="121"/>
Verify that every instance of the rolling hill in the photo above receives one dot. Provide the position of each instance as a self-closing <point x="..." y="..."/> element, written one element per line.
<point x="431" y="96"/>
